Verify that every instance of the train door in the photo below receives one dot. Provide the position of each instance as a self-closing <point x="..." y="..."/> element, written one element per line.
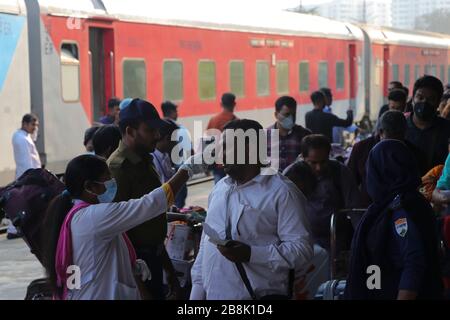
<point x="101" y="54"/>
<point x="386" y="63"/>
<point x="353" y="74"/>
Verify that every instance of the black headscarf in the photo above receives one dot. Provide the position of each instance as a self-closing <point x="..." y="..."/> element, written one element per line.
<point x="391" y="169"/>
<point x="392" y="173"/>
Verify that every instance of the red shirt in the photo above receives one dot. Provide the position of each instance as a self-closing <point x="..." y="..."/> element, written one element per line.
<point x="220" y="120"/>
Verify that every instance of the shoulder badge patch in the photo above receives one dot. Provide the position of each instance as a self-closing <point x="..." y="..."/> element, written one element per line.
<point x="401" y="226"/>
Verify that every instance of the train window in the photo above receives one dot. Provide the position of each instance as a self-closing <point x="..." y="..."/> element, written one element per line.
<point x="323" y="74"/>
<point x="428" y="69"/>
<point x="304" y="76"/>
<point x="237" y="79"/>
<point x="434" y="70"/>
<point x="416" y="72"/>
<point x="395" y="73"/>
<point x="70" y="72"/>
<point x="340" y="75"/>
<point x="262" y="78"/>
<point x="282" y="77"/>
<point x="407" y="75"/>
<point x="442" y="73"/>
<point x="173" y="80"/>
<point x="207" y="80"/>
<point x="134" y="78"/>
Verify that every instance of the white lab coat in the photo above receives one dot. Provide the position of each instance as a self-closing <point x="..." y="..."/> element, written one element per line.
<point x="100" y="251"/>
<point x="268" y="214"/>
<point x="25" y="152"/>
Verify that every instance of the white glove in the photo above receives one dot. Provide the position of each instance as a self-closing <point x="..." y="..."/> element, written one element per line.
<point x="141" y="269"/>
<point x="194" y="163"/>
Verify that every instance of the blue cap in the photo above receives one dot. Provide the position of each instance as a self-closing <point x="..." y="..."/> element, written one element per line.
<point x="142" y="110"/>
<point x="125" y="103"/>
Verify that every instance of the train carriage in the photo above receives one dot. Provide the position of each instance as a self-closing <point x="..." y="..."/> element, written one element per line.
<point x="66" y="59"/>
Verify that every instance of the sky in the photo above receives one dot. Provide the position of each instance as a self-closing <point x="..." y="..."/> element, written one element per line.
<point x="246" y="4"/>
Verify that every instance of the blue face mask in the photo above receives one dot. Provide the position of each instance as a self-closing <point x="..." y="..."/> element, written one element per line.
<point x="110" y="193"/>
<point x="287" y="122"/>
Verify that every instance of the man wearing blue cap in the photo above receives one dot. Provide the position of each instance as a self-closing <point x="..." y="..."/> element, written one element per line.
<point x="132" y="167"/>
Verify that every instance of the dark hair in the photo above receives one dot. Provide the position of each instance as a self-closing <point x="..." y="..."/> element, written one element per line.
<point x="301" y="173"/>
<point x="445" y="97"/>
<point x="431" y="83"/>
<point x="106" y="139"/>
<point x="113" y="102"/>
<point x="406" y="91"/>
<point x="79" y="170"/>
<point x="168" y="107"/>
<point x="396" y="84"/>
<point x="327" y="92"/>
<point x="168" y="129"/>
<point x="29" y="118"/>
<point x="246" y="124"/>
<point x="131" y="122"/>
<point x="317" y="97"/>
<point x="393" y="124"/>
<point x="398" y="95"/>
<point x="228" y="100"/>
<point x="315" y="141"/>
<point x="89" y="134"/>
<point x="287" y="101"/>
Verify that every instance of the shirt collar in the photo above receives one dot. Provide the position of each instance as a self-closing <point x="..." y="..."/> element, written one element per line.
<point x="258" y="179"/>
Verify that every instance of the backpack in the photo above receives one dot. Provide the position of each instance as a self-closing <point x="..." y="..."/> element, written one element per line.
<point x="25" y="202"/>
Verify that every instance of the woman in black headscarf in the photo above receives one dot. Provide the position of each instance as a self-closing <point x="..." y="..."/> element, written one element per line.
<point x="398" y="232"/>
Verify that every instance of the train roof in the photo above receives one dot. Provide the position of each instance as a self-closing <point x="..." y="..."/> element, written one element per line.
<point x="217" y="18"/>
<point x="12" y="7"/>
<point x="385" y="35"/>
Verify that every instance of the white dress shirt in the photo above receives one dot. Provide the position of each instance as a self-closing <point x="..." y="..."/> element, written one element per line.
<point x="100" y="251"/>
<point x="25" y="152"/>
<point x="163" y="165"/>
<point x="266" y="213"/>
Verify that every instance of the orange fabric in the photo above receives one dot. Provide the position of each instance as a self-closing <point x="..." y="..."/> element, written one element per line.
<point x="430" y="180"/>
<point x="220" y="120"/>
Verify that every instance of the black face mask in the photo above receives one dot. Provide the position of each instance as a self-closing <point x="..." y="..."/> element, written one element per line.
<point x="424" y="111"/>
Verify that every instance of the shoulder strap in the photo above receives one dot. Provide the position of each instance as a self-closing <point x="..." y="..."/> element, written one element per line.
<point x="244" y="278"/>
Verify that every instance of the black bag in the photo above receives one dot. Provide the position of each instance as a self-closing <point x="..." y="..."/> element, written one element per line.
<point x="25" y="202"/>
<point x="39" y="289"/>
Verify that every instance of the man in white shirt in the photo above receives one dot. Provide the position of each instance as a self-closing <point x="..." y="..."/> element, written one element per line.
<point x="262" y="215"/>
<point x="25" y="152"/>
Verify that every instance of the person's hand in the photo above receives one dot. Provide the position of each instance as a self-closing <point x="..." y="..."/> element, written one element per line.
<point x="194" y="163"/>
<point x="141" y="269"/>
<point x="235" y="251"/>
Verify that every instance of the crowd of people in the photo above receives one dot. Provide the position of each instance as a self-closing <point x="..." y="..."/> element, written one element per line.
<point x="263" y="231"/>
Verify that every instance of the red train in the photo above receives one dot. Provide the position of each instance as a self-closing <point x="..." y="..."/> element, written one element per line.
<point x="64" y="61"/>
